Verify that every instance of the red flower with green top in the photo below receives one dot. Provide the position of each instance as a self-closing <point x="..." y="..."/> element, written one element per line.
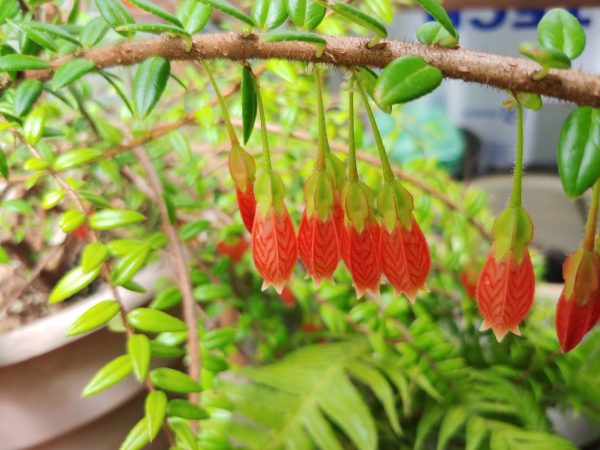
<point x="318" y="242"/>
<point x="274" y="247"/>
<point x="506" y="284"/>
<point x="360" y="239"/>
<point x="578" y="308"/>
<point x="403" y="250"/>
<point x="243" y="168"/>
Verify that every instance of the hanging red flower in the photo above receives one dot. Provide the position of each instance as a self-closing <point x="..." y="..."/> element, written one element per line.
<point x="243" y="168"/>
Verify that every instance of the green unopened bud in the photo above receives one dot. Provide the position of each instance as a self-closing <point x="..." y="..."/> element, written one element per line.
<point x="335" y="167"/>
<point x="319" y="194"/>
<point x="242" y="168"/>
<point x="395" y="204"/>
<point x="581" y="271"/>
<point x="512" y="232"/>
<point x="358" y="203"/>
<point x="269" y="190"/>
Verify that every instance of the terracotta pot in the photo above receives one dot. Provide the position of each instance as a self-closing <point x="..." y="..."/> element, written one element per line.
<point x="42" y="374"/>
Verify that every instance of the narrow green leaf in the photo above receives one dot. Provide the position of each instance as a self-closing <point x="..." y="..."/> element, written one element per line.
<point x="269" y="14"/>
<point x="38" y="37"/>
<point x="53" y="30"/>
<point x="437" y="11"/>
<point x="428" y="421"/>
<point x="194" y="15"/>
<point x="71" y="283"/>
<point x="167" y="298"/>
<point x="186" y="410"/>
<point x="71" y="220"/>
<point x="109" y="375"/>
<point x="183" y="432"/>
<point x="156" y="11"/>
<point x="94" y="32"/>
<point x="229" y="9"/>
<point x="579" y="151"/>
<point x="149" y="83"/>
<point x="118" y="90"/>
<point x="155" y="409"/>
<point x="138" y="437"/>
<point x="129" y="265"/>
<point x="93" y="255"/>
<point x="303" y="36"/>
<point x="71" y="71"/>
<point x="306" y="14"/>
<point x="249" y="103"/>
<point x="219" y="338"/>
<point x="26" y="95"/>
<point x="320" y="430"/>
<point x="433" y="33"/>
<point x="476" y="433"/>
<point x="154" y="321"/>
<point x="4" y="257"/>
<point x="109" y="219"/>
<point x="214" y="363"/>
<point x="164" y="351"/>
<point x="210" y="292"/>
<point x="8" y="9"/>
<point x="192" y="229"/>
<point x="174" y="381"/>
<point x="52" y="198"/>
<point x="94" y="198"/>
<point x="561" y="31"/>
<point x="171" y="209"/>
<point x="95" y="317"/>
<point x="158" y="28"/>
<point x="74" y="13"/>
<point x="16" y="62"/>
<point x="405" y="79"/>
<point x="138" y="347"/>
<point x="115" y="14"/>
<point x="453" y="420"/>
<point x="360" y="18"/>
<point x="76" y="158"/>
<point x="382" y="9"/>
<point x="122" y="247"/>
<point x="33" y="127"/>
<point x="3" y="165"/>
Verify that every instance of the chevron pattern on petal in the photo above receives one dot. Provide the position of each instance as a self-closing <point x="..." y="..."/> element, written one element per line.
<point x="362" y="259"/>
<point x="318" y="246"/>
<point x="572" y="321"/>
<point x="392" y="257"/>
<point x="417" y="255"/>
<point x="274" y="247"/>
<point x="247" y="204"/>
<point x="505" y="291"/>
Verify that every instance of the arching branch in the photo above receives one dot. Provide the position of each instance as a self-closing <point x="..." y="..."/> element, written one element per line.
<point x="502" y="72"/>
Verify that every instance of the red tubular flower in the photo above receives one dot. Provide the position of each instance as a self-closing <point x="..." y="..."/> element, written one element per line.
<point x="274" y="247"/>
<point x="506" y="284"/>
<point x="318" y="242"/>
<point x="578" y="308"/>
<point x="243" y="168"/>
<point x="234" y="249"/>
<point x="360" y="239"/>
<point x="403" y="250"/>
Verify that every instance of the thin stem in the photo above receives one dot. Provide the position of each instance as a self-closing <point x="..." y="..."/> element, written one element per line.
<point x="515" y="196"/>
<point x="232" y="135"/>
<point x="352" y="170"/>
<point x="263" y="125"/>
<point x="322" y="138"/>
<point x="592" y="219"/>
<point x="388" y="173"/>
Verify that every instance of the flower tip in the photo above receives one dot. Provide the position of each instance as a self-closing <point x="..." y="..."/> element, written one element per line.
<point x="499" y="332"/>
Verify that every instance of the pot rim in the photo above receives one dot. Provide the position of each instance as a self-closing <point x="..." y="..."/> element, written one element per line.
<point x="24" y="342"/>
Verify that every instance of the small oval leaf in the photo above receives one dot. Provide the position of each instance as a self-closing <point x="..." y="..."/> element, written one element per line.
<point x="95" y="317"/>
<point x="154" y="321"/>
<point x="155" y="409"/>
<point x="129" y="265"/>
<point x="138" y="347"/>
<point x="94" y="32"/>
<point x="109" y="219"/>
<point x="437" y="11"/>
<point x="229" y="9"/>
<point x="249" y="103"/>
<point x="306" y="14"/>
<point x="174" y="381"/>
<point x="360" y="18"/>
<point x="269" y="14"/>
<point x="33" y="128"/>
<point x="75" y="158"/>
<point x="26" y="95"/>
<point x="137" y="437"/>
<point x="194" y="15"/>
<point x="561" y="31"/>
<point x="93" y="255"/>
<point x="71" y="220"/>
<point x="109" y="375"/>
<point x="71" y="283"/>
<point x="116" y="14"/>
<point x="16" y="62"/>
<point x="433" y="33"/>
<point x="149" y="83"/>
<point x="186" y="410"/>
<point x="71" y="71"/>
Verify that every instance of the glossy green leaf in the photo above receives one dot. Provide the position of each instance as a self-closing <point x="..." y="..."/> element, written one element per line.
<point x="52" y="198"/>
<point x="138" y="348"/>
<point x="122" y="247"/>
<point x="437" y="11"/>
<point x="183" y="432"/>
<point x="119" y="92"/>
<point x="360" y="18"/>
<point x="55" y="31"/>
<point x="16" y="62"/>
<point x="210" y="292"/>
<point x="129" y="265"/>
<point x="382" y="9"/>
<point x="433" y="33"/>
<point x="116" y="14"/>
<point x="302" y="36"/>
<point x="579" y="151"/>
<point x="165" y="351"/>
<point x="231" y="10"/>
<point x="158" y="28"/>
<point x="74" y="13"/>
<point x="76" y="158"/>
<point x="306" y="14"/>
<point x="269" y="14"/>
<point x="109" y="375"/>
<point x="561" y="31"/>
<point x="149" y="83"/>
<point x="71" y="220"/>
<point x="33" y="127"/>
<point x="218" y="338"/>
<point x="71" y="283"/>
<point x="93" y="255"/>
<point x="214" y="363"/>
<point x="173" y="381"/>
<point x="154" y="321"/>
<point x="3" y="165"/>
<point x="190" y="230"/>
<point x="71" y="71"/>
<point x="95" y="317"/>
<point x="40" y="38"/>
<point x="94" y="32"/>
<point x="194" y="15"/>
<point x="8" y="9"/>
<point x="405" y="79"/>
<point x="109" y="219"/>
<point x="186" y="410"/>
<point x="156" y="11"/>
<point x="26" y="95"/>
<point x="249" y="103"/>
<point x="137" y="438"/>
<point x="94" y="198"/>
<point x="167" y="298"/>
<point x="155" y="409"/>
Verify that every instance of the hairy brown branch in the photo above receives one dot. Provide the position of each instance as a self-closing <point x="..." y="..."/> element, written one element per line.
<point x="502" y="72"/>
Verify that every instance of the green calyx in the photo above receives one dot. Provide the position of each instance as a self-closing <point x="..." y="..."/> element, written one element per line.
<point x="242" y="168"/>
<point x="512" y="232"/>
<point x="335" y="167"/>
<point x="319" y="194"/>
<point x="269" y="191"/>
<point x="395" y="204"/>
<point x="358" y="203"/>
<point x="581" y="272"/>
